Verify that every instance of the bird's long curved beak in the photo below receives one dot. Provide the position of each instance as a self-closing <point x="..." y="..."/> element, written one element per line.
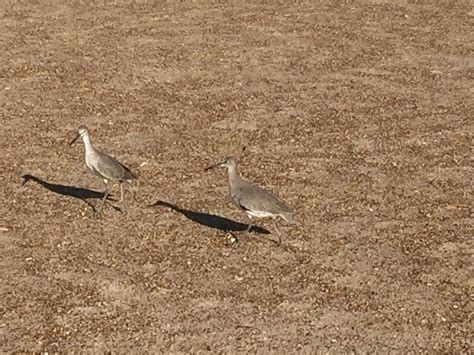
<point x="213" y="166"/>
<point x="75" y="139"/>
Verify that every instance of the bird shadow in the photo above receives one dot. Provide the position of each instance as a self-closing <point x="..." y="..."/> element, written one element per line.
<point x="211" y="220"/>
<point x="72" y="191"/>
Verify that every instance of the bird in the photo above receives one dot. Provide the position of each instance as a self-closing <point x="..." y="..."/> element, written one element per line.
<point x="103" y="165"/>
<point x="255" y="201"/>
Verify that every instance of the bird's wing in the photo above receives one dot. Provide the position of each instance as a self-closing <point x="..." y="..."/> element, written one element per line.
<point x="111" y="168"/>
<point x="129" y="174"/>
<point x="254" y="198"/>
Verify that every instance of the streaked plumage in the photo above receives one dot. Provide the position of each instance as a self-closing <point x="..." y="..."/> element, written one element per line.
<point x="107" y="167"/>
<point x="256" y="201"/>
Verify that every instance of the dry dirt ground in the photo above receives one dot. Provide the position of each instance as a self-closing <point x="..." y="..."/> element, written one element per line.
<point x="358" y="115"/>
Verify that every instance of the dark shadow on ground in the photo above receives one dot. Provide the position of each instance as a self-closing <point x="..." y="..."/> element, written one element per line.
<point x="211" y="220"/>
<point x="72" y="191"/>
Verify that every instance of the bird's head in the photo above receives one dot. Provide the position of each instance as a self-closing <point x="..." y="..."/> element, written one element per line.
<point x="82" y="131"/>
<point x="227" y="162"/>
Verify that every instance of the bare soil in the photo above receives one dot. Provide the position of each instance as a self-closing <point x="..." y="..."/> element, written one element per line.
<point x="356" y="114"/>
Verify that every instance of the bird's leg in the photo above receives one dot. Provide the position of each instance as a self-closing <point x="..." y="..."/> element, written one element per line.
<point x="249" y="227"/>
<point x="121" y="191"/>
<point x="278" y="243"/>
<point x="106" y="194"/>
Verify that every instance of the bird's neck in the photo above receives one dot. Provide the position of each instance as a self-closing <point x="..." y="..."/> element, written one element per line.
<point x="87" y="143"/>
<point x="234" y="174"/>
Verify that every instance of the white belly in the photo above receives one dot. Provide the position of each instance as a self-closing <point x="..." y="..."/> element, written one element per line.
<point x="259" y="214"/>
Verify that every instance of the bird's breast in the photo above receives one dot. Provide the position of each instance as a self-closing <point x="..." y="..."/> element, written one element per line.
<point x="92" y="160"/>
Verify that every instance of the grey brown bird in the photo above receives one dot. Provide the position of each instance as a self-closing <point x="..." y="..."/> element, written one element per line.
<point x="103" y="165"/>
<point x="255" y="201"/>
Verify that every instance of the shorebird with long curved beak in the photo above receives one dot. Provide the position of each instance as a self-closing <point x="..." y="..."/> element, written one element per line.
<point x="103" y="165"/>
<point x="252" y="199"/>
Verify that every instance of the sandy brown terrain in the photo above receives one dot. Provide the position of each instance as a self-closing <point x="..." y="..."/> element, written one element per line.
<point x="358" y="115"/>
